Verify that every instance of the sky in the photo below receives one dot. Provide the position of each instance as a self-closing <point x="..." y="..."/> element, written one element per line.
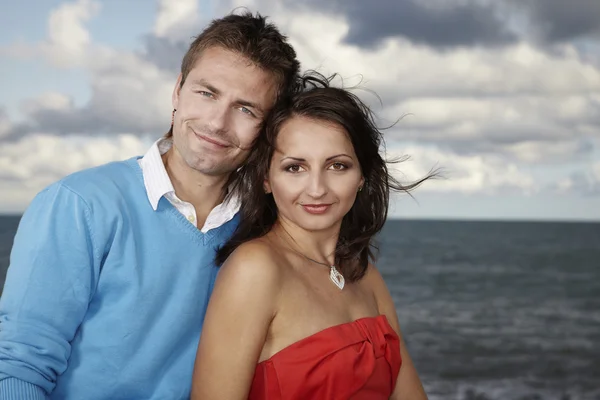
<point x="503" y="95"/>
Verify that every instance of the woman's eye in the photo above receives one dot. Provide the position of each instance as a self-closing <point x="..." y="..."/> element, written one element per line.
<point x="293" y="168"/>
<point x="338" y="166"/>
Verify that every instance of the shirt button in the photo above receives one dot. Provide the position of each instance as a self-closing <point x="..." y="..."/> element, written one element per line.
<point x="191" y="218"/>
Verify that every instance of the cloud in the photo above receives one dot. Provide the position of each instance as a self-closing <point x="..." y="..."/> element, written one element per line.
<point x="530" y="129"/>
<point x="129" y="94"/>
<point x="399" y="68"/>
<point x="164" y="53"/>
<point x="32" y="163"/>
<point x="469" y="174"/>
<point x="517" y="100"/>
<point x="485" y="100"/>
<point x="67" y="41"/>
<point x="68" y="38"/>
<point x="435" y="24"/>
<point x="489" y="96"/>
<point x="47" y="101"/>
<point x="585" y="182"/>
<point x="559" y="21"/>
<point x="546" y="152"/>
<point x="460" y="23"/>
<point x="5" y="124"/>
<point x="177" y="20"/>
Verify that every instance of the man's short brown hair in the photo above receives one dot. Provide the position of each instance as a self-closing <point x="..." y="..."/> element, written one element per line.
<point x="252" y="37"/>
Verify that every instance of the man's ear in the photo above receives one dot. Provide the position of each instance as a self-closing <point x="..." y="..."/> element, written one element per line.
<point x="176" y="90"/>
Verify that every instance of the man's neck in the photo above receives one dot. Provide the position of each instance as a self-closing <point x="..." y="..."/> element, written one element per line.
<point x="202" y="191"/>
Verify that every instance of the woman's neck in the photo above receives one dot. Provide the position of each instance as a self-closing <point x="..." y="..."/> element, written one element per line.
<point x="317" y="245"/>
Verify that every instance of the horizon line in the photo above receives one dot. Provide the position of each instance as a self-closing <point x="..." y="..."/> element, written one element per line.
<point x="449" y="219"/>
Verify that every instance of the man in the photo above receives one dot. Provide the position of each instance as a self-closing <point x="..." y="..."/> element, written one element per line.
<point x="112" y="267"/>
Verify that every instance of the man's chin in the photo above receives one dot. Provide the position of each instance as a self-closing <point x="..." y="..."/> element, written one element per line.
<point x="211" y="169"/>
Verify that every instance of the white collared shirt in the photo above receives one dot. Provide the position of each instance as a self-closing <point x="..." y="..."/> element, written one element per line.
<point x="158" y="184"/>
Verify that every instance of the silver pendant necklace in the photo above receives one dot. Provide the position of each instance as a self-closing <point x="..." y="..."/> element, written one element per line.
<point x="334" y="275"/>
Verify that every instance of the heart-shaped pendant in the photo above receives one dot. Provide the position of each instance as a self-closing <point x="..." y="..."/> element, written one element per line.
<point x="336" y="277"/>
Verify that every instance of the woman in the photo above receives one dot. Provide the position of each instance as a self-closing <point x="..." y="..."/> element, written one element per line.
<point x="298" y="311"/>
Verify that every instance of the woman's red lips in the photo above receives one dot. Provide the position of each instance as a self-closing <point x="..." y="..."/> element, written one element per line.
<point x="316" y="208"/>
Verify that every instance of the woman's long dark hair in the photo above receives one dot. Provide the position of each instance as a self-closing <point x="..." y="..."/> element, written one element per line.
<point x="317" y="100"/>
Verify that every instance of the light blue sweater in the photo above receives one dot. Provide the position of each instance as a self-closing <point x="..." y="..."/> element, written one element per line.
<point x="104" y="297"/>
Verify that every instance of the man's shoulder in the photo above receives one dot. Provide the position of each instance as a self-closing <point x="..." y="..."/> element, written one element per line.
<point x="102" y="177"/>
<point x="106" y="182"/>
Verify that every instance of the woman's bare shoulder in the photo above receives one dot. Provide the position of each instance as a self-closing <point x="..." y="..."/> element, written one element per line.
<point x="376" y="284"/>
<point x="255" y="250"/>
<point x="255" y="260"/>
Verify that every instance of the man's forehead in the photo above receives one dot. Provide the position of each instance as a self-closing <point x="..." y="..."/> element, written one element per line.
<point x="221" y="77"/>
<point x="216" y="59"/>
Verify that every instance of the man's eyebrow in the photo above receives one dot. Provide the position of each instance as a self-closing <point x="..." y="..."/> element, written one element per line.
<point x="206" y="84"/>
<point x="250" y="104"/>
<point x="241" y="102"/>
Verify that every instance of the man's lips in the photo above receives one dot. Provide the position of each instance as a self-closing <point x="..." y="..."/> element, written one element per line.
<point x="211" y="140"/>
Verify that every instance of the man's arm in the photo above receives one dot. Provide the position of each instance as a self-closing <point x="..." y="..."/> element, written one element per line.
<point x="54" y="266"/>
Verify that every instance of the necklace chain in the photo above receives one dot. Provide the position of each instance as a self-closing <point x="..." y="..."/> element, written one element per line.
<point x="315" y="261"/>
<point x="302" y="254"/>
<point x="334" y="275"/>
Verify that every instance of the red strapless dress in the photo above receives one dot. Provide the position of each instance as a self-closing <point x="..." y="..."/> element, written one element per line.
<point x="359" y="360"/>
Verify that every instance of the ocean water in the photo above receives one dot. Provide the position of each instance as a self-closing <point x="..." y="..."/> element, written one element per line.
<point x="489" y="310"/>
<point x="498" y="310"/>
<point x="8" y="227"/>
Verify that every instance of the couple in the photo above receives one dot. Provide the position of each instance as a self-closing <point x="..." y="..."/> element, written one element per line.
<point x="270" y="179"/>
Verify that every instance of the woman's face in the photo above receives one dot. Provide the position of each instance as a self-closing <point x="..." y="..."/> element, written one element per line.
<point x="314" y="174"/>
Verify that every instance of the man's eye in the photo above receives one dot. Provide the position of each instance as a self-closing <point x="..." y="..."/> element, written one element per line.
<point x="246" y="111"/>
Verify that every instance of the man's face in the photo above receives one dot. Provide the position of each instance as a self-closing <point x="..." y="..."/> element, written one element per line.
<point x="220" y="108"/>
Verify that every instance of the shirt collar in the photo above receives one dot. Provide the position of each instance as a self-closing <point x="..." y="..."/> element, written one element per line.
<point x="158" y="183"/>
<point x="156" y="179"/>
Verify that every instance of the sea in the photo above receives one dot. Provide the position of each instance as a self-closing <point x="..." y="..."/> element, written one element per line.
<point x="489" y="310"/>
